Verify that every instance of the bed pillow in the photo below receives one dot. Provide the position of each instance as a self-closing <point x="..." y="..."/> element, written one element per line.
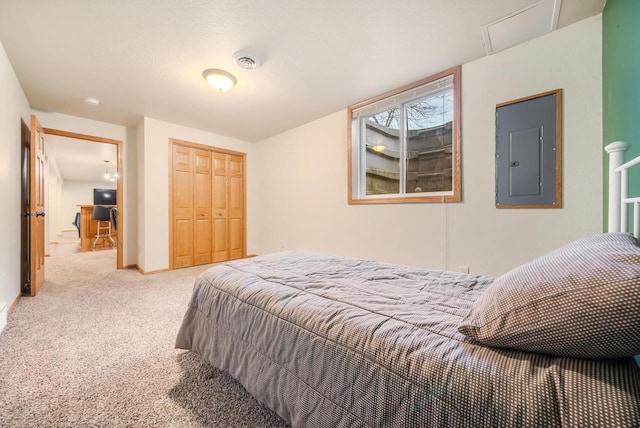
<point x="581" y="300"/>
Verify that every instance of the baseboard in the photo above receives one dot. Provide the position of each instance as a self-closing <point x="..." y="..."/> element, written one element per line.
<point x="139" y="269"/>
<point x="151" y="272"/>
<point x="14" y="304"/>
<point x="4" y="313"/>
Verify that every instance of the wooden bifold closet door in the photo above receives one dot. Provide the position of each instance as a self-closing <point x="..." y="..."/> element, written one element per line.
<point x="207" y="205"/>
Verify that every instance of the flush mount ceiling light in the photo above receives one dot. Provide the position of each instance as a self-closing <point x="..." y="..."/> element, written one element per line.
<point x="246" y="60"/>
<point x="219" y="80"/>
<point x="92" y="101"/>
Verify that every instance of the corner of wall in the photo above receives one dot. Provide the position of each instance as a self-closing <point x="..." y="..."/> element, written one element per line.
<point x="13" y="107"/>
<point x="620" y="86"/>
<point x="140" y="193"/>
<point x="130" y="168"/>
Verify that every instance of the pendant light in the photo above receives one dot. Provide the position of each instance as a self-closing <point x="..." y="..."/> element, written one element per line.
<point x="107" y="176"/>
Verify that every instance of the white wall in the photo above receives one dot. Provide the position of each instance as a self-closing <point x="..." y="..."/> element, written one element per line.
<point x="153" y="219"/>
<point x="302" y="173"/>
<point x="54" y="222"/>
<point x="13" y="106"/>
<point x="570" y="59"/>
<point x="129" y="167"/>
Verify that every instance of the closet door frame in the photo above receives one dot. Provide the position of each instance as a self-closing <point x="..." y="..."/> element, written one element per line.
<point x="213" y="149"/>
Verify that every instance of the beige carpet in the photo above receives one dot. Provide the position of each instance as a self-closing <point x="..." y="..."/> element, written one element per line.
<point x="96" y="349"/>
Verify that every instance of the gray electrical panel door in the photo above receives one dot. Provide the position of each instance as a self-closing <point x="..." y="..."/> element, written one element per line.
<point x="527" y="170"/>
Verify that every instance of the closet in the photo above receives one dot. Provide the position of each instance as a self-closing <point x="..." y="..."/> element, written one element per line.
<point x="207" y="204"/>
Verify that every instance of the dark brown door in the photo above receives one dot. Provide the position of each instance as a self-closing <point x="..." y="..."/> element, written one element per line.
<point x="25" y="209"/>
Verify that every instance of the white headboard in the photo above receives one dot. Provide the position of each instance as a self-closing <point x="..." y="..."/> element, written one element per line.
<point x="619" y="198"/>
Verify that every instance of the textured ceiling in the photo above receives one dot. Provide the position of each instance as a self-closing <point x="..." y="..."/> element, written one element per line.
<point x="81" y="160"/>
<point x="145" y="57"/>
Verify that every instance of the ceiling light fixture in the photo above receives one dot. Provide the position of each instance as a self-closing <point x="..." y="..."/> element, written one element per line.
<point x="92" y="101"/>
<point x="107" y="176"/>
<point x="219" y="80"/>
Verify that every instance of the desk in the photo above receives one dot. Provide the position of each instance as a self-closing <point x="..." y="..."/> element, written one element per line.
<point x="89" y="229"/>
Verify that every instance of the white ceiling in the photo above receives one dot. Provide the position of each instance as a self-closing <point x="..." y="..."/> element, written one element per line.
<point x="81" y="160"/>
<point x="146" y="57"/>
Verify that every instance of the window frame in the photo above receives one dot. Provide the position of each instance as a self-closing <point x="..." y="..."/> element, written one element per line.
<point x="355" y="169"/>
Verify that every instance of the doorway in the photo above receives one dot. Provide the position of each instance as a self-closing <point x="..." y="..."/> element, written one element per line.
<point x="92" y="139"/>
<point x="31" y="242"/>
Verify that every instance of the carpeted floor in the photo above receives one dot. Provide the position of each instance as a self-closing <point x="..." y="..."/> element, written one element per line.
<point x="96" y="349"/>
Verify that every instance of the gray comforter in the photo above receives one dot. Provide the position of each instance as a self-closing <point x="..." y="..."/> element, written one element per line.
<point x="334" y="342"/>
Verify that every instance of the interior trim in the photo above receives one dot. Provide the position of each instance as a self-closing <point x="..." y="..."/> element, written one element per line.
<point x="119" y="182"/>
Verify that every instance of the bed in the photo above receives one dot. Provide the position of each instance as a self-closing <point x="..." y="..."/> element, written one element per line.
<point x="329" y="341"/>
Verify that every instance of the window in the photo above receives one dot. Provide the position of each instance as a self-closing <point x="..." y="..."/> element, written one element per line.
<point x="405" y="144"/>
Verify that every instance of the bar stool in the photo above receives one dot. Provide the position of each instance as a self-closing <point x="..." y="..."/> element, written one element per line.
<point x="102" y="213"/>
